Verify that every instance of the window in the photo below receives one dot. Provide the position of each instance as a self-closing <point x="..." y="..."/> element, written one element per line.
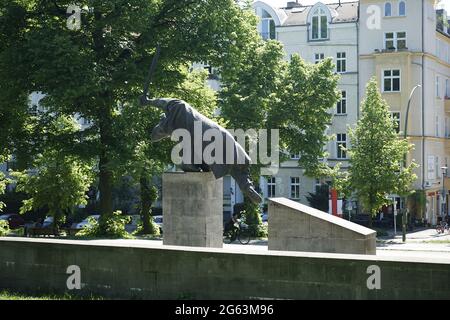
<point x="402" y="9"/>
<point x="342" y="105"/>
<point x="438" y="91"/>
<point x="319" y="25"/>
<point x="395" y="40"/>
<point x="446" y="128"/>
<point x="318" y="184"/>
<point x="391" y="80"/>
<point x="295" y="156"/>
<point x="431" y="173"/>
<point x="318" y="57"/>
<point x="437" y="169"/>
<point x="268" y="26"/>
<point x="341" y="62"/>
<point x="389" y="41"/>
<point x="447" y="88"/>
<point x="295" y="188"/>
<point x="341" y="143"/>
<point x="388" y="9"/>
<point x="437" y="126"/>
<point x="396" y="119"/>
<point x="401" y="40"/>
<point x="271" y="187"/>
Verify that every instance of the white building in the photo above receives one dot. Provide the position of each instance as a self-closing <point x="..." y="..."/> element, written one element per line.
<point x="316" y="32"/>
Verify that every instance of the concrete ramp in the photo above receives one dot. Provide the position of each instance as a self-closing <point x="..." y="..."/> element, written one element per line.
<point x="296" y="227"/>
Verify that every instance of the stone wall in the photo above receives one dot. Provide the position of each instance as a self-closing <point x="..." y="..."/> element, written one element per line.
<point x="148" y="270"/>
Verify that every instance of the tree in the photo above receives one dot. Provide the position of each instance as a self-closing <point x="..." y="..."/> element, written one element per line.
<point x="377" y="155"/>
<point x="145" y="160"/>
<point x="3" y="183"/>
<point x="58" y="181"/>
<point x="267" y="92"/>
<point x="97" y="69"/>
<point x="320" y="198"/>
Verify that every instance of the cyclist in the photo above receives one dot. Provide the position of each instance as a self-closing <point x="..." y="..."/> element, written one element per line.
<point x="234" y="222"/>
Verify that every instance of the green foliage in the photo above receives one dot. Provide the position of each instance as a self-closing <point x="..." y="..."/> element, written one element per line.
<point x="2" y="189"/>
<point x="302" y="112"/>
<point x="99" y="70"/>
<point x="417" y="202"/>
<point x="377" y="155"/>
<point x="111" y="227"/>
<point x="266" y="92"/>
<point x="319" y="199"/>
<point x="58" y="181"/>
<point x="295" y="97"/>
<point x="4" y="228"/>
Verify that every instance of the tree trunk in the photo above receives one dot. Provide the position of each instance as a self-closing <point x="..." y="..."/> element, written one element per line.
<point x="105" y="187"/>
<point x="146" y="206"/>
<point x="105" y="174"/>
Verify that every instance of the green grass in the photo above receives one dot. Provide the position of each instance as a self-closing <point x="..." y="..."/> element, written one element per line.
<point x="5" y="295"/>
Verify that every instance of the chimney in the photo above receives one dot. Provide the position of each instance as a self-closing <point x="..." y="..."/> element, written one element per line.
<point x="293" y="4"/>
<point x="441" y="17"/>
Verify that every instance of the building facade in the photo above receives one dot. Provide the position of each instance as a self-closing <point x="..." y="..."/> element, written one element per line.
<point x="404" y="44"/>
<point x="316" y="32"/>
<point x="403" y="47"/>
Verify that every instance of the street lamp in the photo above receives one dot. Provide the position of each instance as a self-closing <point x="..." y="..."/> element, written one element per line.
<point x="405" y="157"/>
<point x="444" y="196"/>
<point x="395" y="217"/>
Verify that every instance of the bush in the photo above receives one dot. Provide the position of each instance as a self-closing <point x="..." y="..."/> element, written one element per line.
<point x="112" y="227"/>
<point x="4" y="228"/>
<point x="263" y="231"/>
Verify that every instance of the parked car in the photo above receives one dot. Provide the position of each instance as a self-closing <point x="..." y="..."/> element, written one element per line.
<point x="85" y="222"/>
<point x="48" y="222"/>
<point x="159" y="222"/>
<point x="15" y="221"/>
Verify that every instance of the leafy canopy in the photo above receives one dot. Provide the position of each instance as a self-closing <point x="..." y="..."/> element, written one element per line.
<point x="377" y="155"/>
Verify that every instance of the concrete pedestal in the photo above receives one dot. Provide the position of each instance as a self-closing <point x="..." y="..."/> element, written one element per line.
<point x="295" y="227"/>
<point x="193" y="210"/>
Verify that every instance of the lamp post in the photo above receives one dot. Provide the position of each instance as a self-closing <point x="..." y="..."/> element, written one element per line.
<point x="444" y="196"/>
<point x="405" y="157"/>
<point x="395" y="217"/>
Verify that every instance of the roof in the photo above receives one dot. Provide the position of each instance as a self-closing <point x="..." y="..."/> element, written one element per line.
<point x="345" y="12"/>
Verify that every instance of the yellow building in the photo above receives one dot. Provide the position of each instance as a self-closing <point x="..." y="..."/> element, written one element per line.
<point x="404" y="44"/>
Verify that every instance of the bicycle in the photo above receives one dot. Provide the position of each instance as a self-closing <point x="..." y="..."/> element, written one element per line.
<point x="239" y="231"/>
<point x="440" y="229"/>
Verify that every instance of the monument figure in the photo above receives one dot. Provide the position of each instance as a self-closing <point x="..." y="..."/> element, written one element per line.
<point x="180" y="115"/>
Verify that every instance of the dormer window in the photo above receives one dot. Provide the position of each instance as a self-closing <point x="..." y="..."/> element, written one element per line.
<point x="402" y="9"/>
<point x="268" y="26"/>
<point x="319" y="29"/>
<point x="388" y="9"/>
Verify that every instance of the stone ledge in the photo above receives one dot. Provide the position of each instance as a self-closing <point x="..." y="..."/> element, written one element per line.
<point x="296" y="227"/>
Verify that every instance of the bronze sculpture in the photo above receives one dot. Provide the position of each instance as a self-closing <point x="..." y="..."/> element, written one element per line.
<point x="180" y="115"/>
